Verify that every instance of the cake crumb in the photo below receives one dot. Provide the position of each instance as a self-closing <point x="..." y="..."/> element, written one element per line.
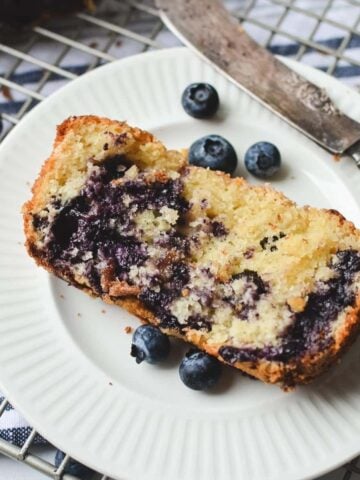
<point x="103" y="311"/>
<point x="79" y="314"/>
<point x="336" y="157"/>
<point x="5" y="90"/>
<point x="111" y="384"/>
<point x="62" y="296"/>
<point x="297" y="304"/>
<point x="128" y="329"/>
<point x="132" y="172"/>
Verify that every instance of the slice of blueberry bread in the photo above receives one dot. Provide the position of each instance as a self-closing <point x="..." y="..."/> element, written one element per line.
<point x="238" y="270"/>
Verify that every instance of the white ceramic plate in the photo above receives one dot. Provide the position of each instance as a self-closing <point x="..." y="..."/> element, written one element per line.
<point x="64" y="358"/>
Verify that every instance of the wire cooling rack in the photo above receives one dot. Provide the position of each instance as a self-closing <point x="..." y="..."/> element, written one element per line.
<point x="83" y="41"/>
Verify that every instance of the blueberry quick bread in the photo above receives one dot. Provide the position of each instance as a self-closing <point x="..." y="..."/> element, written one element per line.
<point x="237" y="270"/>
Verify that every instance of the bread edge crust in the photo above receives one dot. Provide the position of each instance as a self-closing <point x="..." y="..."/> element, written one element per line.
<point x="287" y="376"/>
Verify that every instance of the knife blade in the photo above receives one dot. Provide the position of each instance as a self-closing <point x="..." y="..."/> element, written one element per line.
<point x="208" y="28"/>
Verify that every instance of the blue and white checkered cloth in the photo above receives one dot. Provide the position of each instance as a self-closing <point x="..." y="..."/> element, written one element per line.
<point x="12" y="426"/>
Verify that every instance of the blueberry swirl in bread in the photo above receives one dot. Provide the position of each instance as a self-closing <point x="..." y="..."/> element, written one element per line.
<point x="238" y="270"/>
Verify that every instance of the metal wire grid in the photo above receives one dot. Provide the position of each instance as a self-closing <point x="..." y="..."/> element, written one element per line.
<point x="117" y="21"/>
<point x="308" y="42"/>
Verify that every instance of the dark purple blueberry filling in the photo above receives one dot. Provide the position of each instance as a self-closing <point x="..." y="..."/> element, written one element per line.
<point x="39" y="222"/>
<point x="254" y="278"/>
<point x="170" y="321"/>
<point x="310" y="329"/>
<point x="174" y="240"/>
<point x="218" y="229"/>
<point x="156" y="195"/>
<point x="161" y="294"/>
<point x="129" y="252"/>
<point x="179" y="276"/>
<point x="158" y="302"/>
<point x="99" y="224"/>
<point x="235" y="354"/>
<point x="254" y="288"/>
<point x="113" y="168"/>
<point x="198" y="322"/>
<point x="93" y="276"/>
<point x="348" y="263"/>
<point x="268" y="243"/>
<point x="159" y="297"/>
<point x="56" y="202"/>
<point x="64" y="227"/>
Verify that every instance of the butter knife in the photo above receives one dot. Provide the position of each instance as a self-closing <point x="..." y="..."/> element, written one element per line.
<point x="208" y="28"/>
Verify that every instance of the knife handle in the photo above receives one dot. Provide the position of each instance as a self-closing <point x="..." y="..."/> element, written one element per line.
<point x="354" y="153"/>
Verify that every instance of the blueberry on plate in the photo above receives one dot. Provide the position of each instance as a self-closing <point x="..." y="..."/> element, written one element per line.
<point x="213" y="152"/>
<point x="263" y="159"/>
<point x="199" y="371"/>
<point x="72" y="467"/>
<point x="200" y="100"/>
<point x="149" y="344"/>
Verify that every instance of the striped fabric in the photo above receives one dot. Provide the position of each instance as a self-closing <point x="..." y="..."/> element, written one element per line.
<point x="14" y="428"/>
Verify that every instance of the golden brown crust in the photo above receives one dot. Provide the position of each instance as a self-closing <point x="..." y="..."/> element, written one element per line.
<point x="72" y="124"/>
<point x="287" y="376"/>
<point x="124" y="295"/>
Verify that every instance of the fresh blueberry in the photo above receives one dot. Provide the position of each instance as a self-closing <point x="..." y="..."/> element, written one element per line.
<point x="199" y="371"/>
<point x="200" y="100"/>
<point x="149" y="344"/>
<point x="73" y="467"/>
<point x="214" y="152"/>
<point x="263" y="159"/>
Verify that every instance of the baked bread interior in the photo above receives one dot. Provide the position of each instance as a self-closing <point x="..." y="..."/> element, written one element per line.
<point x="238" y="270"/>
